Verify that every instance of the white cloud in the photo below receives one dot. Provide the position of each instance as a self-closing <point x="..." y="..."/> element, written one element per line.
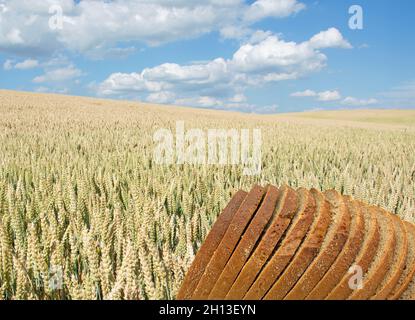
<point x="59" y="75"/>
<point x="354" y="102"/>
<point x="8" y="65"/>
<point x="98" y="25"/>
<point x="238" y="98"/>
<point x="222" y="82"/>
<point x="321" y="96"/>
<point x="329" y="96"/>
<point x="27" y="64"/>
<point x="282" y="60"/>
<point x="161" y="97"/>
<point x="258" y="36"/>
<point x="331" y="38"/>
<point x="305" y="93"/>
<point x="335" y="95"/>
<point x="275" y="53"/>
<point x="24" y="65"/>
<point x="201" y="101"/>
<point x="14" y="36"/>
<point x="272" y="8"/>
<point x="3" y="8"/>
<point x="235" y="32"/>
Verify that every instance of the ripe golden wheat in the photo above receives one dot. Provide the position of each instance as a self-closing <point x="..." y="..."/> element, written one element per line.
<point x="79" y="190"/>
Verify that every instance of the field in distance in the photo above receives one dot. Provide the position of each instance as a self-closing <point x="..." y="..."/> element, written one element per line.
<point x="85" y="213"/>
<point x="369" y="116"/>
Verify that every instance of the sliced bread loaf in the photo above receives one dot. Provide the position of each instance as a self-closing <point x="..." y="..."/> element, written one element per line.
<point x="209" y="246"/>
<point x="245" y="245"/>
<point x="286" y="251"/>
<point x="288" y="204"/>
<point x="395" y="269"/>
<point x="333" y="244"/>
<point x="346" y="257"/>
<point x="366" y="253"/>
<point x="228" y="243"/>
<point x="408" y="273"/>
<point x="383" y="258"/>
<point x="308" y="250"/>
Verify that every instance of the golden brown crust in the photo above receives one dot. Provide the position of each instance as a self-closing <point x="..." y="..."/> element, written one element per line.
<point x="245" y="245"/>
<point x="224" y="250"/>
<point x="288" y="201"/>
<point x="283" y="244"/>
<point x="409" y="275"/>
<point x="365" y="257"/>
<point x="345" y="259"/>
<point x="395" y="269"/>
<point x="379" y="267"/>
<point x="329" y="253"/>
<point x="285" y="252"/>
<point x="209" y="246"/>
<point x="307" y="252"/>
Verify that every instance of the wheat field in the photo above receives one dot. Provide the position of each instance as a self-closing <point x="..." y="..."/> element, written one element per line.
<point x="81" y="197"/>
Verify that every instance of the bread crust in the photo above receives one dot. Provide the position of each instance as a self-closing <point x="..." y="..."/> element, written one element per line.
<point x="230" y="239"/>
<point x="345" y="259"/>
<point x="379" y="267"/>
<point x="408" y="276"/>
<point x="365" y="256"/>
<point x="395" y="270"/>
<point x="209" y="246"/>
<point x="284" y="252"/>
<point x="277" y="244"/>
<point x="245" y="245"/>
<point x="329" y="253"/>
<point x="307" y="252"/>
<point x="273" y="234"/>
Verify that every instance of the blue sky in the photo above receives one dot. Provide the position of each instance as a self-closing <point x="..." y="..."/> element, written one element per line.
<point x="260" y="56"/>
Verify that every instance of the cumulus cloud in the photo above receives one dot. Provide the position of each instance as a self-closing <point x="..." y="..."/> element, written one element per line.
<point x="305" y="93"/>
<point x="354" y="102"/>
<point x="330" y="38"/>
<point x="271" y="8"/>
<point x="27" y="64"/>
<point x="24" y="65"/>
<point x="329" y="96"/>
<point x="222" y="82"/>
<point x="321" y="96"/>
<point x="98" y="25"/>
<point x="335" y="95"/>
<point x="161" y="97"/>
<point x="59" y="75"/>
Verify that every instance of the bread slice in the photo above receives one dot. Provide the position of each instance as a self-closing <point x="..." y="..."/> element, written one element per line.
<point x="346" y="257"/>
<point x="366" y="253"/>
<point x="333" y="244"/>
<point x="409" y="271"/>
<point x="228" y="243"/>
<point x="383" y="258"/>
<point x="308" y="250"/>
<point x="409" y="293"/>
<point x="395" y="269"/>
<point x="287" y="206"/>
<point x="286" y="251"/>
<point x="209" y="246"/>
<point x="245" y="245"/>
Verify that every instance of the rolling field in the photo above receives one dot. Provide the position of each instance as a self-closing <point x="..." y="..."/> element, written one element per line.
<point x="377" y="117"/>
<point x="86" y="213"/>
